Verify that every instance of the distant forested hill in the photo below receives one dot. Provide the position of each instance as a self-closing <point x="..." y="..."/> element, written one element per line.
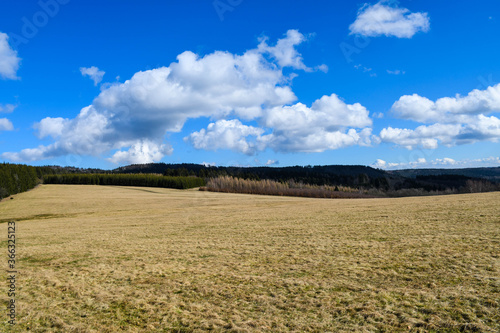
<point x="355" y="176"/>
<point x="351" y="175"/>
<point x="491" y="174"/>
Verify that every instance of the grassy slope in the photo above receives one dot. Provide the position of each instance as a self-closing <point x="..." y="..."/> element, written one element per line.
<point x="110" y="259"/>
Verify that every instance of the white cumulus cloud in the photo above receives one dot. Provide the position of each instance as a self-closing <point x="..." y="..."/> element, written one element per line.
<point x="451" y="109"/>
<point x="328" y="112"/>
<point x="385" y="19"/>
<point x="6" y="125"/>
<point x="328" y="124"/>
<point x="226" y="134"/>
<point x="319" y="141"/>
<point x="133" y="117"/>
<point x="53" y="127"/>
<point x="423" y="136"/>
<point x="143" y="151"/>
<point x="453" y="120"/>
<point x="284" y="51"/>
<point x="130" y="120"/>
<point x="94" y="73"/>
<point x="9" y="61"/>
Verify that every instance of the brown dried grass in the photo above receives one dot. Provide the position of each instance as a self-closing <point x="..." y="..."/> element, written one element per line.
<point x="123" y="259"/>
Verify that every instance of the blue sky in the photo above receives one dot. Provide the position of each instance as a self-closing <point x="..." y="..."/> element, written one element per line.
<point x="391" y="84"/>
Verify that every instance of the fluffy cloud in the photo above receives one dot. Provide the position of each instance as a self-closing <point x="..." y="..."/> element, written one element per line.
<point x="384" y="19"/>
<point x="9" y="61"/>
<point x="132" y="118"/>
<point x="27" y="155"/>
<point x="323" y="126"/>
<point x="6" y="125"/>
<point x="423" y="136"/>
<point x="319" y="141"/>
<point x="136" y="114"/>
<point x="9" y="64"/>
<point x="328" y="112"/>
<point x="53" y="127"/>
<point x="450" y="109"/>
<point x="456" y="120"/>
<point x="94" y="73"/>
<point x="143" y="151"/>
<point x="213" y="86"/>
<point x="482" y="128"/>
<point x="226" y="134"/>
<point x="84" y="135"/>
<point x="284" y="51"/>
<point x="328" y="124"/>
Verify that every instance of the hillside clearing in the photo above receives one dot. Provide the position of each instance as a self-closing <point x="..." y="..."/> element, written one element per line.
<point x="111" y="259"/>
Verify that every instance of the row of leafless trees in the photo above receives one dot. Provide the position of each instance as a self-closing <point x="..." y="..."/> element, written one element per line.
<point x="230" y="184"/>
<point x="270" y="187"/>
<point x="476" y="186"/>
<point x="471" y="186"/>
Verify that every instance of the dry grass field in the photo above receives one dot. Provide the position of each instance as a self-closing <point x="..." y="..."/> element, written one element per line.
<point x="123" y="259"/>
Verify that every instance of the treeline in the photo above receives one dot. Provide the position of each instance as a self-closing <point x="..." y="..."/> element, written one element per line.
<point x="230" y="184"/>
<point x="320" y="180"/>
<point x="491" y="174"/>
<point x="146" y="180"/>
<point x="332" y="175"/>
<point x="361" y="178"/>
<point x="16" y="178"/>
